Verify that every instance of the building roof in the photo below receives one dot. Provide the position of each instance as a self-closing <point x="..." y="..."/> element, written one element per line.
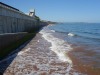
<point x="9" y="6"/>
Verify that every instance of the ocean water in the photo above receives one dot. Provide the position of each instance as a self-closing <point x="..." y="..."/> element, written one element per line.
<point x="82" y="40"/>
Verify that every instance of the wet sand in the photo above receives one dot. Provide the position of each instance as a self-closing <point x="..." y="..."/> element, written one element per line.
<point x="81" y="66"/>
<point x="37" y="59"/>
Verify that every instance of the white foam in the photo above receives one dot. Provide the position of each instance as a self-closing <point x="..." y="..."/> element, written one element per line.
<point x="71" y="34"/>
<point x="38" y="41"/>
<point x="52" y="30"/>
<point x="20" y="53"/>
<point x="59" y="46"/>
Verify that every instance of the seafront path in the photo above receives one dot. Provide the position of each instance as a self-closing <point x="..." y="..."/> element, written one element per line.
<point x="34" y="59"/>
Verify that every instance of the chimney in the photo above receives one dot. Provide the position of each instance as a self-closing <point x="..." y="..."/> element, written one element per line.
<point x="32" y="13"/>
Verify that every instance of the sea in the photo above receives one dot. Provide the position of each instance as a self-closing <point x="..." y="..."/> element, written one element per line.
<point x="76" y="43"/>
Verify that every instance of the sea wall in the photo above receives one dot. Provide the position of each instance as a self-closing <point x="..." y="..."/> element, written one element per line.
<point x="15" y="28"/>
<point x="7" y="39"/>
<point x="12" y="21"/>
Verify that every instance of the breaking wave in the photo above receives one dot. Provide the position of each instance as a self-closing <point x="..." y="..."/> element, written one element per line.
<point x="59" y="46"/>
<point x="71" y="34"/>
<point x="53" y="30"/>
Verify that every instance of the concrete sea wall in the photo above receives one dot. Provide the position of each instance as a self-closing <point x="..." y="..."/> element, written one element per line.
<point x="12" y="21"/>
<point x="14" y="26"/>
<point x="7" y="39"/>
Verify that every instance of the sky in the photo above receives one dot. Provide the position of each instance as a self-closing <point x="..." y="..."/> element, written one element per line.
<point x="60" y="10"/>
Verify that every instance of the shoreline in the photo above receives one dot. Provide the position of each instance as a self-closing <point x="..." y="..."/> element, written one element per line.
<point x="80" y="67"/>
<point x="37" y="59"/>
<point x="13" y="46"/>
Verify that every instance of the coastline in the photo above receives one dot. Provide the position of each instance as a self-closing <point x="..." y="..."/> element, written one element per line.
<point x="78" y="66"/>
<point x="44" y="55"/>
<point x="36" y="58"/>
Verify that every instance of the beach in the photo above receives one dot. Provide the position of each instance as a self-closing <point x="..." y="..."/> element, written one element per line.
<point x="36" y="59"/>
<point x="52" y="52"/>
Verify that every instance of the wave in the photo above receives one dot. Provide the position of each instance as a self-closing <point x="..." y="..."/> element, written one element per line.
<point x="53" y="30"/>
<point x="91" y="37"/>
<point x="71" y="34"/>
<point x="59" y="46"/>
<point x="82" y="35"/>
<point x="68" y="33"/>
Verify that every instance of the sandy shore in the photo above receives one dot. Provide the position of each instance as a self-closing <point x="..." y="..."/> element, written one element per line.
<point x="36" y="59"/>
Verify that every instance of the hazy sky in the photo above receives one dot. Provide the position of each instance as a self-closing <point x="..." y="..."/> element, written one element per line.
<point x="61" y="10"/>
